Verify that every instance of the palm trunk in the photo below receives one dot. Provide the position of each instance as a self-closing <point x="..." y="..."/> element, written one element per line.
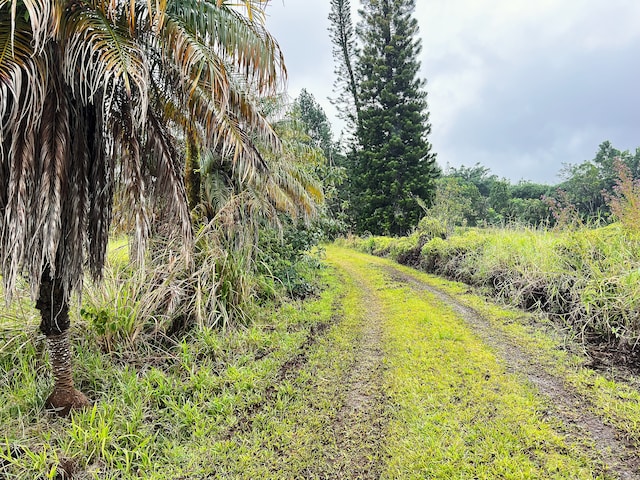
<point x="54" y="311"/>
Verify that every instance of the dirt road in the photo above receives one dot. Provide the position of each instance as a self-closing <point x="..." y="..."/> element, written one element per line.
<point x="434" y="382"/>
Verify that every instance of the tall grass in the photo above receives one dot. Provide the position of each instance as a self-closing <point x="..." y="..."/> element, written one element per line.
<point x="587" y="278"/>
<point x="174" y="291"/>
<point x="162" y="411"/>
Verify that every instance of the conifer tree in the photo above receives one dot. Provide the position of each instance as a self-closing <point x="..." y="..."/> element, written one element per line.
<point x="342" y="36"/>
<point x="316" y="123"/>
<point x="393" y="163"/>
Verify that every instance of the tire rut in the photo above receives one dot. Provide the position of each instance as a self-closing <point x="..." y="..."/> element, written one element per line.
<point x="288" y="370"/>
<point x="565" y="404"/>
<point x="360" y="422"/>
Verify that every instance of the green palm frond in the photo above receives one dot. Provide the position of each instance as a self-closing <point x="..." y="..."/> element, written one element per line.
<point x="292" y="183"/>
<point x="246" y="107"/>
<point x="239" y="39"/>
<point x="297" y="192"/>
<point x="226" y="132"/>
<point x="217" y="189"/>
<point x="254" y="8"/>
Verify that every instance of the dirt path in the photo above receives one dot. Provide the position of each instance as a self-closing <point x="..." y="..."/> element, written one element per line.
<point x="360" y="422"/>
<point x="564" y="403"/>
<point x="360" y="426"/>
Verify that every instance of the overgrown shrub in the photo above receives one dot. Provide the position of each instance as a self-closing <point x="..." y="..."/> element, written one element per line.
<point x="286" y="263"/>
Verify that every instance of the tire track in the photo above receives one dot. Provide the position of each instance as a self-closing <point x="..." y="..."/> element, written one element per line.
<point x="565" y="404"/>
<point x="360" y="422"/>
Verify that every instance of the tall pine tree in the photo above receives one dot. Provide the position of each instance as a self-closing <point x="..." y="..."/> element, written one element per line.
<point x="393" y="164"/>
<point x="343" y="38"/>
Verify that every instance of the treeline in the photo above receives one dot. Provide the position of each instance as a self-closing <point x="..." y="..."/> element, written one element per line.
<point x="473" y="196"/>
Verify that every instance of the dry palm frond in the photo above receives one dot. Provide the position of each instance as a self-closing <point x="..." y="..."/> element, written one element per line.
<point x="93" y="97"/>
<point x="195" y="62"/>
<point x="41" y="15"/>
<point x="23" y="78"/>
<point x="164" y="158"/>
<point x="109" y="59"/>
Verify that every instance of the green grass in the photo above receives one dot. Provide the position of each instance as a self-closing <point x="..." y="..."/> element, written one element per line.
<point x="160" y="412"/>
<point x="586" y="278"/>
<point x="292" y="436"/>
<point x="560" y="353"/>
<point x="263" y="401"/>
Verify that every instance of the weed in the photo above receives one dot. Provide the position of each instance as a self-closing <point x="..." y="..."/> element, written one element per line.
<point x="625" y="200"/>
<point x="160" y="409"/>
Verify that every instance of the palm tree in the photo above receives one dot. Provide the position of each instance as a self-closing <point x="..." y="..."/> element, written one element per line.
<point x="241" y="208"/>
<point x="287" y="184"/>
<point x="92" y="93"/>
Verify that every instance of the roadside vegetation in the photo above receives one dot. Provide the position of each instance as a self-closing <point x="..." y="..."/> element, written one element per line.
<point x="163" y="407"/>
<point x="276" y="399"/>
<point x="586" y="279"/>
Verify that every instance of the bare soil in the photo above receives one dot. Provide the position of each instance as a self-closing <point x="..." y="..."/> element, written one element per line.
<point x="360" y="423"/>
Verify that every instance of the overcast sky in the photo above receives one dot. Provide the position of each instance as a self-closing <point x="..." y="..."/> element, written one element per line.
<point x="519" y="86"/>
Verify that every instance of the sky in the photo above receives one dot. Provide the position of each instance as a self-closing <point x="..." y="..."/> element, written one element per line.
<point x="522" y="87"/>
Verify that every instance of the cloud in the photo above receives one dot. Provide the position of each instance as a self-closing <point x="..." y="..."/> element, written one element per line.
<point x="523" y="87"/>
<point x="301" y="28"/>
<point x="519" y="86"/>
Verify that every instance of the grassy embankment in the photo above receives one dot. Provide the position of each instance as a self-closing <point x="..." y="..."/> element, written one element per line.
<point x="587" y="282"/>
<point x="586" y="279"/>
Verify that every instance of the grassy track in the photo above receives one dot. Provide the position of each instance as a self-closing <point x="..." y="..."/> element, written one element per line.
<point x="455" y="410"/>
<point x="378" y="378"/>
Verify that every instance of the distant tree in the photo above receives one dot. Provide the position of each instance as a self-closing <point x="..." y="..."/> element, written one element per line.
<point x="528" y="211"/>
<point x="316" y="123"/>
<point x="479" y="175"/>
<point x="316" y="126"/>
<point x="583" y="187"/>
<point x="455" y="203"/>
<point x="525" y="204"/>
<point x="495" y="200"/>
<point x="394" y="162"/>
<point x="585" y="183"/>
<point x="604" y="161"/>
<point x="499" y="197"/>
<point x="528" y="190"/>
